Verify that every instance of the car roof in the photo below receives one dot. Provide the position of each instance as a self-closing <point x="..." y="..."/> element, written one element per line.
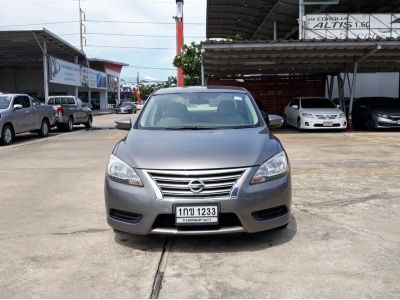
<point x="311" y="97"/>
<point x="12" y="95"/>
<point x="199" y="89"/>
<point x="64" y="96"/>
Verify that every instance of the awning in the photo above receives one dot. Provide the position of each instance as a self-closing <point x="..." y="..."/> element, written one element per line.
<point x="300" y="57"/>
<point x="254" y="19"/>
<point x="20" y="48"/>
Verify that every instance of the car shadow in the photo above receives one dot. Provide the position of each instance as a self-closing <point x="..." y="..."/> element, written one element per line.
<point x="211" y="243"/>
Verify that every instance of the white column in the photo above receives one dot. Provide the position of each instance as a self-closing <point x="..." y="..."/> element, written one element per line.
<point x="45" y="72"/>
<point x="118" y="92"/>
<point x="76" y="88"/>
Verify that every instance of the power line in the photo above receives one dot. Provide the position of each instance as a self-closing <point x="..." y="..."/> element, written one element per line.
<point x="34" y="24"/>
<point x="128" y="47"/>
<point x="134" y="35"/>
<point x="142" y="22"/>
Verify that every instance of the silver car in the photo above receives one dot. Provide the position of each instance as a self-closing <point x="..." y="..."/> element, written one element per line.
<point x="198" y="161"/>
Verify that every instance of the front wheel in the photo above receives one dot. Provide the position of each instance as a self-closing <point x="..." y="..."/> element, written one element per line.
<point x="299" y="124"/>
<point x="44" y="129"/>
<point x="70" y="124"/>
<point x="370" y="124"/>
<point x="88" y="124"/>
<point x="7" y="135"/>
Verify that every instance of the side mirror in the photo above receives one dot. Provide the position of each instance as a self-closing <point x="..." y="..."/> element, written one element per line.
<point x="275" y="121"/>
<point x="18" y="106"/>
<point x="338" y="106"/>
<point x="123" y="124"/>
<point x="295" y="106"/>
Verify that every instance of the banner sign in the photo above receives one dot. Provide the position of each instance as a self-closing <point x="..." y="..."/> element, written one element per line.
<point x="93" y="79"/>
<point x="64" y="72"/>
<point x="352" y="26"/>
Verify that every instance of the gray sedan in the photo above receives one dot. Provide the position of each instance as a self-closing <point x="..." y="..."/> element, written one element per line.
<point x="198" y="161"/>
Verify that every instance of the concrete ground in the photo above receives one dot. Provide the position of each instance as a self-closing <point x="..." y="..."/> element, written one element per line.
<point x="343" y="240"/>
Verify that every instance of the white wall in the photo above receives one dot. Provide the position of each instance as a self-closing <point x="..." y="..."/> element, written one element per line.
<point x="372" y="85"/>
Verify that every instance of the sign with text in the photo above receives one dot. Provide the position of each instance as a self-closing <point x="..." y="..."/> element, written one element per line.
<point x="64" y="72"/>
<point x="352" y="26"/>
<point x="93" y="79"/>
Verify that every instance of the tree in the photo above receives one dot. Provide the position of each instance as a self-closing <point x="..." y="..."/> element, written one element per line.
<point x="147" y="89"/>
<point x="190" y="62"/>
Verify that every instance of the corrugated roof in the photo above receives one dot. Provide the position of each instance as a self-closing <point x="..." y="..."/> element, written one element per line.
<point x="254" y="19"/>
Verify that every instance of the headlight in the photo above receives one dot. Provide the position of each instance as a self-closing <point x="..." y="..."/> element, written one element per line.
<point x="342" y="116"/>
<point x="306" y="115"/>
<point x="272" y="168"/>
<point x="383" y="116"/>
<point x="119" y="171"/>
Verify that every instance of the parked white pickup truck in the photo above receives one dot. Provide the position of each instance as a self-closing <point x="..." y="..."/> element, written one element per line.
<point x="70" y="111"/>
<point x="20" y="113"/>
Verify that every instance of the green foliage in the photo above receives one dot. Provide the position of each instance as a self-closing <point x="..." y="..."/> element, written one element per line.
<point x="190" y="62"/>
<point x="147" y="89"/>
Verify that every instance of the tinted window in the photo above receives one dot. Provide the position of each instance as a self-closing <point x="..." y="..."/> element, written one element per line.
<point x="79" y="102"/>
<point x="26" y="102"/>
<point x="71" y="101"/>
<point x="295" y="102"/>
<point x="317" y="103"/>
<point x="201" y="110"/>
<point x="380" y="102"/>
<point x="4" y="101"/>
<point x="64" y="101"/>
<point x="126" y="104"/>
<point x="50" y="101"/>
<point x="18" y="100"/>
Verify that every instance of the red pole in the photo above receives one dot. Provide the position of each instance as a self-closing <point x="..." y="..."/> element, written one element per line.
<point x="179" y="50"/>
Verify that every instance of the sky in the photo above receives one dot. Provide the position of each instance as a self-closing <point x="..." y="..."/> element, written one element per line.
<point x="150" y="12"/>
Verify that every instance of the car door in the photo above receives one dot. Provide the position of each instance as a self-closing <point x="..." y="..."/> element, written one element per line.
<point x="293" y="112"/>
<point x="81" y="109"/>
<point x="21" y="119"/>
<point x="30" y="114"/>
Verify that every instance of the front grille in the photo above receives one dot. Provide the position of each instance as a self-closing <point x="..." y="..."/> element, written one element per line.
<point x="326" y="117"/>
<point x="217" y="183"/>
<point x="270" y="213"/>
<point x="322" y="125"/>
<point x="125" y="216"/>
<point x="167" y="221"/>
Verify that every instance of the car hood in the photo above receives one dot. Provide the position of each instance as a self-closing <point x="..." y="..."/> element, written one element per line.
<point x="388" y="111"/>
<point x="323" y="111"/>
<point x="197" y="149"/>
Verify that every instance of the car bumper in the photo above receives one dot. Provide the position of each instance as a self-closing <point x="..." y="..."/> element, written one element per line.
<point x="273" y="196"/>
<point x="321" y="124"/>
<point x="123" y="111"/>
<point x="387" y="123"/>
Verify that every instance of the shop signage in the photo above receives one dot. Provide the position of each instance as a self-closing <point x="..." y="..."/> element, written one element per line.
<point x="352" y="26"/>
<point x="64" y="72"/>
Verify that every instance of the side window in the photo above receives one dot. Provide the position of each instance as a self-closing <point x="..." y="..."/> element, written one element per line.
<point x="295" y="102"/>
<point x="64" y="101"/>
<point x="79" y="102"/>
<point x="57" y="100"/>
<point x="18" y="100"/>
<point x="26" y="102"/>
<point x="71" y="101"/>
<point x="50" y="101"/>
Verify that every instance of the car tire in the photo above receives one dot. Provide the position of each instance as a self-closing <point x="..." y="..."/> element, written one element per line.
<point x="88" y="124"/>
<point x="285" y="123"/>
<point x="7" y="135"/>
<point x="44" y="128"/>
<point x="135" y="111"/>
<point x="283" y="227"/>
<point x="70" y="125"/>
<point x="299" y="124"/>
<point x="370" y="124"/>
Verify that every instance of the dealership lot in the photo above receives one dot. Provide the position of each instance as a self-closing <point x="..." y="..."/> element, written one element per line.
<point x="343" y="240"/>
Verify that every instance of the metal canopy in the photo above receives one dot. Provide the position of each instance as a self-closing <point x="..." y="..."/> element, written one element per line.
<point x="254" y="19"/>
<point x="22" y="49"/>
<point x="300" y="57"/>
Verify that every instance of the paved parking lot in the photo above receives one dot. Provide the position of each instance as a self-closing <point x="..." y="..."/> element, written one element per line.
<point x="343" y="240"/>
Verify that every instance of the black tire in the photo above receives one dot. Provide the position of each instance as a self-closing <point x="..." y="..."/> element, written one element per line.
<point x="299" y="124"/>
<point x="7" y="135"/>
<point x="285" y="123"/>
<point x="135" y="111"/>
<point x="88" y="124"/>
<point x="44" y="128"/>
<point x="370" y="124"/>
<point x="283" y="227"/>
<point x="70" y="124"/>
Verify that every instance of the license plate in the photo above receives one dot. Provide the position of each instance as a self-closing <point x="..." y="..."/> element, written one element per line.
<point x="328" y="124"/>
<point x="196" y="215"/>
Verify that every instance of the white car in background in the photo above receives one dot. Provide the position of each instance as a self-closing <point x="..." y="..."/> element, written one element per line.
<point x="314" y="113"/>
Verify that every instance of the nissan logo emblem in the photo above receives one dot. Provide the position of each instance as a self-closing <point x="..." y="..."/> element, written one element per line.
<point x="196" y="185"/>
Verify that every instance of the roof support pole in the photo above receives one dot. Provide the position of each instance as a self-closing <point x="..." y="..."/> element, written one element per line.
<point x="353" y="88"/>
<point x="275" y="30"/>
<point x="118" y="91"/>
<point x="301" y="18"/>
<point x="45" y="72"/>
<point x="76" y="60"/>
<point x="330" y="86"/>
<point x="203" y="75"/>
<point x="340" y="87"/>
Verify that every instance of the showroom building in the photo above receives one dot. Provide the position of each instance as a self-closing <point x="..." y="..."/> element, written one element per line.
<point x="348" y="49"/>
<point x="39" y="63"/>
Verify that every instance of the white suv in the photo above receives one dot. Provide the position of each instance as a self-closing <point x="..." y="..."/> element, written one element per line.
<point x="314" y="113"/>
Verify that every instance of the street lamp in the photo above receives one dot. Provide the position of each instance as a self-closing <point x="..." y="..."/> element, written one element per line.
<point x="179" y="39"/>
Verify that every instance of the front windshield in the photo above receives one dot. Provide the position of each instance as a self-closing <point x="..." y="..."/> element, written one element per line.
<point x="125" y="104"/>
<point x="199" y="111"/>
<point x="317" y="103"/>
<point x="4" y="101"/>
<point x="384" y="103"/>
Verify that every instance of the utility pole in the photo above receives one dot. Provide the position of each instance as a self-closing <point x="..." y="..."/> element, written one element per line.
<point x="82" y="17"/>
<point x="179" y="39"/>
<point x="301" y="19"/>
